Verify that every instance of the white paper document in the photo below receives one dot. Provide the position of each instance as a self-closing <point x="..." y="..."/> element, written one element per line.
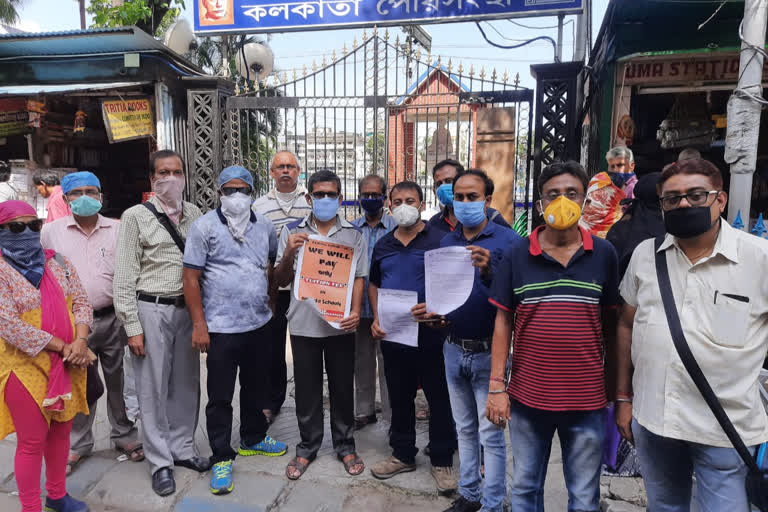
<point x="395" y="316"/>
<point x="449" y="277"/>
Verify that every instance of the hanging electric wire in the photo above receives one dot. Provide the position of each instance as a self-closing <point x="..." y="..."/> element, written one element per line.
<point x="512" y="47"/>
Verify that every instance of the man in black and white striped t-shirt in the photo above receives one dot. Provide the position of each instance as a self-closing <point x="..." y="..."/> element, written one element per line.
<point x="284" y="204"/>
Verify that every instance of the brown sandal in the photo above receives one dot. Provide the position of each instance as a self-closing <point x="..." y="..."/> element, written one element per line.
<point x="298" y="465"/>
<point x="353" y="461"/>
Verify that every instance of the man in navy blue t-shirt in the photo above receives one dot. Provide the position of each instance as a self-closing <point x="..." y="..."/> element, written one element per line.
<point x="468" y="349"/>
<point x="398" y="263"/>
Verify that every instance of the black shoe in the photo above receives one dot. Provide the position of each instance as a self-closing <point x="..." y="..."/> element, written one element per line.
<point x="464" y="505"/>
<point x="364" y="421"/>
<point x="199" y="464"/>
<point x="163" y="483"/>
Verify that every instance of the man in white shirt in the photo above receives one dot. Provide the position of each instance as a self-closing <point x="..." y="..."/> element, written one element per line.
<point x="284" y="204"/>
<point x="723" y="310"/>
<point x="7" y="192"/>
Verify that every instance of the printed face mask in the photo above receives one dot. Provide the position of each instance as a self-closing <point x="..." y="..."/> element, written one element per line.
<point x="406" y="215"/>
<point x="562" y="213"/>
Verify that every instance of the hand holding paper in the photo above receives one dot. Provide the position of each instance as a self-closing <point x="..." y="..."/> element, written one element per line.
<point x="395" y="317"/>
<point x="449" y="277"/>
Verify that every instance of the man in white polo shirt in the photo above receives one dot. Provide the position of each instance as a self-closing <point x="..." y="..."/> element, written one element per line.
<point x="723" y="311"/>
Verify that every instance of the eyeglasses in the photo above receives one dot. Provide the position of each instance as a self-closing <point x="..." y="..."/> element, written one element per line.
<point x="74" y="194"/>
<point x="695" y="198"/>
<point x="285" y="167"/>
<point x="321" y="195"/>
<point x="228" y="191"/>
<point x="371" y="196"/>
<point x="571" y="194"/>
<point x="18" y="227"/>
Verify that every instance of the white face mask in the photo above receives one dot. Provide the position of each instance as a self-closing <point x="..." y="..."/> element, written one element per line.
<point x="406" y="215"/>
<point x="237" y="210"/>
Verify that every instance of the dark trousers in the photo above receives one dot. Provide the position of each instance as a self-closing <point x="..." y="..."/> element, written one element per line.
<point x="339" y="355"/>
<point x="407" y="367"/>
<point x="278" y="370"/>
<point x="226" y="353"/>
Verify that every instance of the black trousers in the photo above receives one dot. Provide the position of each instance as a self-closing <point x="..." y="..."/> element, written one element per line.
<point x="339" y="355"/>
<point x="278" y="371"/>
<point x="405" y="368"/>
<point x="226" y="353"/>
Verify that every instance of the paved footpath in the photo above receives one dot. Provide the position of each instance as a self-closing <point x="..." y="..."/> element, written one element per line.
<point x="108" y="484"/>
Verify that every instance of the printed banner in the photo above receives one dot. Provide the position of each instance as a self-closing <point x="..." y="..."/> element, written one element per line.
<point x="128" y="119"/>
<point x="325" y="273"/>
<point x="14" y="118"/>
<point x="222" y="16"/>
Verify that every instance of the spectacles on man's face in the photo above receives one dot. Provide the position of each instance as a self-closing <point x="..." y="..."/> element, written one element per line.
<point x="18" y="227"/>
<point x="694" y="198"/>
<point x="228" y="191"/>
<point x="571" y="194"/>
<point x="321" y="195"/>
<point x="371" y="195"/>
<point x="75" y="194"/>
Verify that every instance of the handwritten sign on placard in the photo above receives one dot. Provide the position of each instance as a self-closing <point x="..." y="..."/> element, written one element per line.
<point x="325" y="274"/>
<point x="128" y="119"/>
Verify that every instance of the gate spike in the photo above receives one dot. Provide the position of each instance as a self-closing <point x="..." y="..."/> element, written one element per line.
<point x="294" y="75"/>
<point x="450" y="65"/>
<point x="314" y="65"/>
<point x="429" y="57"/>
<point x="237" y="89"/>
<point x="324" y="62"/>
<point x="408" y="47"/>
<point x="461" y="68"/>
<point x="375" y="31"/>
<point x="304" y="71"/>
<point x="482" y="73"/>
<point x="417" y="55"/>
<point x="397" y="41"/>
<point x="246" y="88"/>
<point x="439" y="62"/>
<point x="386" y="34"/>
<point x="344" y="49"/>
<point x="333" y="56"/>
<point x="471" y="70"/>
<point x="517" y="79"/>
<point x="505" y="78"/>
<point x="493" y="75"/>
<point x="285" y="77"/>
<point x="354" y="43"/>
<point x="365" y="35"/>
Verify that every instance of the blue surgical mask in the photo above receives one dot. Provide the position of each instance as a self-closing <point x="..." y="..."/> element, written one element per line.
<point x="372" y="206"/>
<point x="85" y="206"/>
<point x="469" y="214"/>
<point x="445" y="194"/>
<point x="325" y="209"/>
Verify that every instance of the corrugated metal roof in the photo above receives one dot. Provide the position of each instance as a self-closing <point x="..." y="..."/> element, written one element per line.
<point x="26" y="90"/>
<point x="84" y="42"/>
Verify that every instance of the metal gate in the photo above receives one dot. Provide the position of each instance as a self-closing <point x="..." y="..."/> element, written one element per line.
<point x="383" y="107"/>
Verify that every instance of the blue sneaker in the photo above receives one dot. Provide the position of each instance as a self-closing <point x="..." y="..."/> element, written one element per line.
<point x="221" y="478"/>
<point x="269" y="447"/>
<point x="65" y="504"/>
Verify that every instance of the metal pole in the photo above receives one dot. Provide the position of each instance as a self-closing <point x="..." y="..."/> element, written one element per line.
<point x="580" y="44"/>
<point x="559" y="53"/>
<point x="744" y="113"/>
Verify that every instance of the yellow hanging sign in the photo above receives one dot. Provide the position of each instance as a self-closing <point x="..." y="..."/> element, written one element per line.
<point x="128" y="119"/>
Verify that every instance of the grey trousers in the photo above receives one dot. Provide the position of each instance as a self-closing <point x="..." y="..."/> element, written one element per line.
<point x="107" y="340"/>
<point x="367" y="353"/>
<point x="129" y="387"/>
<point x="167" y="385"/>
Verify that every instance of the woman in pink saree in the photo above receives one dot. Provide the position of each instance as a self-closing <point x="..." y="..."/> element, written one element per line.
<point x="45" y="319"/>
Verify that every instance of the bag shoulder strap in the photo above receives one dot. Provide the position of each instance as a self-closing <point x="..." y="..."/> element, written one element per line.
<point x="60" y="260"/>
<point x="689" y="361"/>
<point x="166" y="223"/>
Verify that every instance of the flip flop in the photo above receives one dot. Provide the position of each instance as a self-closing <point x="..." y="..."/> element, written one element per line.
<point x="134" y="452"/>
<point x="296" y="464"/>
<point x="355" y="461"/>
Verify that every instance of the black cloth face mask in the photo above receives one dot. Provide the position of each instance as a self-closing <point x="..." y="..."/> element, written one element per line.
<point x="688" y="222"/>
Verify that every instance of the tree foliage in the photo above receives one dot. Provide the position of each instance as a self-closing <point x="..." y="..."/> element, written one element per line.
<point x="152" y="16"/>
<point x="9" y="11"/>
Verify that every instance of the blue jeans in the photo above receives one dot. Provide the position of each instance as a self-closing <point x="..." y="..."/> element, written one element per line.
<point x="468" y="375"/>
<point x="668" y="466"/>
<point x="581" y="440"/>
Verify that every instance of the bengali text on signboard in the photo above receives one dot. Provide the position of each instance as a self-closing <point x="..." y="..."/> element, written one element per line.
<point x="221" y="16"/>
<point x="14" y="118"/>
<point x="128" y="119"/>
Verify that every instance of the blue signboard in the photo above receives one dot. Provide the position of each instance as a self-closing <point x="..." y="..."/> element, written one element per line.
<point x="223" y="16"/>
